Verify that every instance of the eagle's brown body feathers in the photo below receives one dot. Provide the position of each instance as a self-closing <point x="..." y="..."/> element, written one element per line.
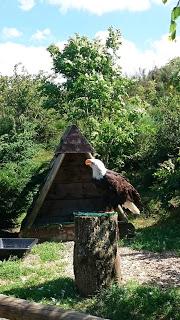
<point x="118" y="190"/>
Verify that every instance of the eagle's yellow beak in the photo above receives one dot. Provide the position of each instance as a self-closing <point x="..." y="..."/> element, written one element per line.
<point x="88" y="162"/>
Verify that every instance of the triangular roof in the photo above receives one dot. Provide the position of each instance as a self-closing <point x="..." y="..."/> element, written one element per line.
<point x="74" y="142"/>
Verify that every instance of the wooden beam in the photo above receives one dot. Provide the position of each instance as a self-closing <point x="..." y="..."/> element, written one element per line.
<point x="19" y="309"/>
<point x="55" y="167"/>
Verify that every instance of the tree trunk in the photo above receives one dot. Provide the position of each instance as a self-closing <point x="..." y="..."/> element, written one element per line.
<point x="96" y="260"/>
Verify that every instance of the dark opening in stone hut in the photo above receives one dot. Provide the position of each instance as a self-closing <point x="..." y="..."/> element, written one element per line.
<point x="69" y="188"/>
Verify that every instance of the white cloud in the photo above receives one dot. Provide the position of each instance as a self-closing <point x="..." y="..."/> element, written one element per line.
<point x="26" y="5"/>
<point x="100" y="7"/>
<point x="41" y="34"/>
<point x="160" y="52"/>
<point x="32" y="58"/>
<point x="132" y="59"/>
<point x="11" y="32"/>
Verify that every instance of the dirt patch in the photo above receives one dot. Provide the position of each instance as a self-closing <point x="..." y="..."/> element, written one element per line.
<point x="68" y="259"/>
<point x="31" y="259"/>
<point x="145" y="267"/>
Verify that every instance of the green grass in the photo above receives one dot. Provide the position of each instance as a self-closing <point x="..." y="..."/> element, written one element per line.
<point x="137" y="302"/>
<point x="41" y="277"/>
<point x="45" y="262"/>
<point x="10" y="270"/>
<point x="48" y="251"/>
<point x="156" y="234"/>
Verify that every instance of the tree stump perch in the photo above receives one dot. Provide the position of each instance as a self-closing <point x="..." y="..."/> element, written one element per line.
<point x="96" y="259"/>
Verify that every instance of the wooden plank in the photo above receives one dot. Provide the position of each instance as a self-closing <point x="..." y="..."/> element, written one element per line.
<point x="74" y="174"/>
<point x="58" y="207"/>
<point x="20" y="309"/>
<point x="73" y="191"/>
<point x="44" y="191"/>
<point x="48" y="220"/>
<point x="73" y="169"/>
<point x="76" y="161"/>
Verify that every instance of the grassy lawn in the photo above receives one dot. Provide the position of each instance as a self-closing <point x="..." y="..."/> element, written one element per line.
<point x="41" y="277"/>
<point x="156" y="235"/>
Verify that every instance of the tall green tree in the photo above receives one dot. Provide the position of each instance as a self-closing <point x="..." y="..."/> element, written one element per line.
<point x="93" y="83"/>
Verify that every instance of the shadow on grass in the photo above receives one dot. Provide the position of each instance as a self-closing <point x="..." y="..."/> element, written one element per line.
<point x="161" y="236"/>
<point x="62" y="290"/>
<point x="131" y="302"/>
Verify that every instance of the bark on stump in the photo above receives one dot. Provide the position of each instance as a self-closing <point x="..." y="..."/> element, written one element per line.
<point x="96" y="259"/>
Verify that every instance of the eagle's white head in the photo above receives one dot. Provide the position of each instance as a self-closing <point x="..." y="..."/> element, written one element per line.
<point x="98" y="168"/>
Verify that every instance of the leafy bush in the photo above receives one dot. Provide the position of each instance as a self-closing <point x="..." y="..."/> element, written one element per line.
<point x="167" y="185"/>
<point x="19" y="183"/>
<point x="26" y="129"/>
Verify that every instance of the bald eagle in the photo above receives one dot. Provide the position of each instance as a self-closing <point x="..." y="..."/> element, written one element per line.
<point x="119" y="192"/>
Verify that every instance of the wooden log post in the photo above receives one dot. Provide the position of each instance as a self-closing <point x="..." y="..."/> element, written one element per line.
<point x="18" y="309"/>
<point x="96" y="259"/>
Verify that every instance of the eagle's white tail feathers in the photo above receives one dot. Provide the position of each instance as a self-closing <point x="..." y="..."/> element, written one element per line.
<point x="131" y="206"/>
<point x="120" y="209"/>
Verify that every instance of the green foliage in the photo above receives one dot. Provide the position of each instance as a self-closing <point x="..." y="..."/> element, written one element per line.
<point x="19" y="182"/>
<point x="93" y="84"/>
<point x="133" y="124"/>
<point x="175" y="13"/>
<point x="160" y="90"/>
<point x="168" y="181"/>
<point x="96" y="98"/>
<point x="115" y="139"/>
<point x="26" y="129"/>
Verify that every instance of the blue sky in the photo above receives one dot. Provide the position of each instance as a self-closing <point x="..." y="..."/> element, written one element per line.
<point x="27" y="27"/>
